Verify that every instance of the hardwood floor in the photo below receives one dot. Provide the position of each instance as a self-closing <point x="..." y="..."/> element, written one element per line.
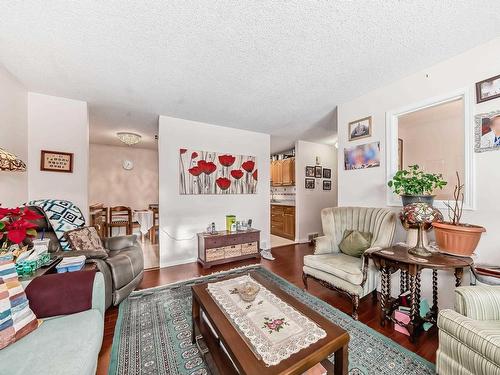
<point x="288" y="264"/>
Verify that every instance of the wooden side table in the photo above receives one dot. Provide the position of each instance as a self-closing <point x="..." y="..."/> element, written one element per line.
<point x="396" y="258"/>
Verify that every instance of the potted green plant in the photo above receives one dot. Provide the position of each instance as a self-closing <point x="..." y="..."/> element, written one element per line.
<point x="414" y="185"/>
<point x="454" y="237"/>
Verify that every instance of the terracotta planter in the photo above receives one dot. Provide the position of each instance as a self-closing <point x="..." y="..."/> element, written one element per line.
<point x="459" y="240"/>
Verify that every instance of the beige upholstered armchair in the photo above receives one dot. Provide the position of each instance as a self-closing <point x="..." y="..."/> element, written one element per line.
<point x="469" y="337"/>
<point x="355" y="277"/>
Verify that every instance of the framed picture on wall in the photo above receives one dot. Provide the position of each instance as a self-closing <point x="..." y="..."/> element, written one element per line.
<point x="487" y="132"/>
<point x="327" y="173"/>
<point x="327" y="185"/>
<point x="488" y="89"/>
<point x="361" y="128"/>
<point x="309" y="183"/>
<point x="56" y="161"/>
<point x="310" y="171"/>
<point x="318" y="171"/>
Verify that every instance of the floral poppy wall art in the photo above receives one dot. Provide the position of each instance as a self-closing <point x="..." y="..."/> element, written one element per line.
<point x="204" y="172"/>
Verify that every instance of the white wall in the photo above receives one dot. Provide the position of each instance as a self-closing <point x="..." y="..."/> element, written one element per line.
<point x="182" y="216"/>
<point x="112" y="185"/>
<point x="13" y="137"/>
<point x="368" y="187"/>
<point x="58" y="124"/>
<point x="309" y="202"/>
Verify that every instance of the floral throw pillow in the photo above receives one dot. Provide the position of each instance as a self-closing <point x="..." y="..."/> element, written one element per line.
<point x="86" y="240"/>
<point x="16" y="317"/>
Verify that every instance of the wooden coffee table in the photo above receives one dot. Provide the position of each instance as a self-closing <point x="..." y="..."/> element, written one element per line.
<point x="245" y="361"/>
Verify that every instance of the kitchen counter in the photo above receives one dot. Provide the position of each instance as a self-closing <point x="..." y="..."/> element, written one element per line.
<point x="283" y="203"/>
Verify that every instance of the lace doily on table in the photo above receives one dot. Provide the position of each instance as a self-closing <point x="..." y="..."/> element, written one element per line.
<point x="273" y="329"/>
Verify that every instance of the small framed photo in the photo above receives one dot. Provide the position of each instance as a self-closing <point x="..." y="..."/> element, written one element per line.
<point x="327" y="173"/>
<point x="361" y="128"/>
<point x="487" y="132"/>
<point x="310" y="171"/>
<point x="56" y="161"/>
<point x="309" y="183"/>
<point x="327" y="185"/>
<point x="488" y="89"/>
<point x="318" y="171"/>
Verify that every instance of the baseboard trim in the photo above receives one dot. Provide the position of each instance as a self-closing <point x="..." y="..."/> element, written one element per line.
<point x="177" y="263"/>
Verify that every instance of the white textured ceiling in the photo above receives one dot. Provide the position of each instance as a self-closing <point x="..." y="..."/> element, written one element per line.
<point x="279" y="67"/>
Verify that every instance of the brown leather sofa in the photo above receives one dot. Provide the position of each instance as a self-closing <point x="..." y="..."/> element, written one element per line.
<point x="123" y="268"/>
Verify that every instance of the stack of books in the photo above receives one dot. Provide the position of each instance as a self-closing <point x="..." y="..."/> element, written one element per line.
<point x="402" y="314"/>
<point x="71" y="264"/>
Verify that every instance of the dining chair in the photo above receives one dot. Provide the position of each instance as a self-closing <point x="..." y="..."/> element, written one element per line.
<point x="99" y="219"/>
<point x="120" y="217"/>
<point x="153" y="232"/>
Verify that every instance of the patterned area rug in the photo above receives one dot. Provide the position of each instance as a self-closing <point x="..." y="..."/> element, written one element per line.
<point x="153" y="334"/>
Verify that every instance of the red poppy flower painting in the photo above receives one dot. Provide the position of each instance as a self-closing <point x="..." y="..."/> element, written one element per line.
<point x="237" y="173"/>
<point x="227" y="160"/>
<point x="195" y="171"/>
<point x="223" y="183"/>
<point x="248" y="166"/>
<point x="205" y="172"/>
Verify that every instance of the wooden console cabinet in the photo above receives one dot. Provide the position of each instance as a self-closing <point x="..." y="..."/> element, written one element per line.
<point x="224" y="247"/>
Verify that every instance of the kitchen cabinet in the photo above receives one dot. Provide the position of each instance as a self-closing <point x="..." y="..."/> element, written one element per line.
<point x="283" y="172"/>
<point x="276" y="173"/>
<point x="283" y="221"/>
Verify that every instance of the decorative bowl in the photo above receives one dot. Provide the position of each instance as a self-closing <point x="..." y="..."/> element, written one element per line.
<point x="248" y="291"/>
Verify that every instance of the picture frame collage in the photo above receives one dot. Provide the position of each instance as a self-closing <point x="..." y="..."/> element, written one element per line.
<point x="318" y="172"/>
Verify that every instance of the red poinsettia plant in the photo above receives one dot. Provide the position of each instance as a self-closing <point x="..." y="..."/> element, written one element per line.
<point x="15" y="224"/>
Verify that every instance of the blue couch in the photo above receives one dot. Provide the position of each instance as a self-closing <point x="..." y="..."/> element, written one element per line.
<point x="61" y="345"/>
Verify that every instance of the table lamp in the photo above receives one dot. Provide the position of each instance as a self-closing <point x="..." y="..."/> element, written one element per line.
<point x="422" y="216"/>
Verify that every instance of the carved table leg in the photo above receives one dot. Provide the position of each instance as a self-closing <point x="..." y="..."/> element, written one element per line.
<point x="434" y="308"/>
<point x="459" y="273"/>
<point x="414" y="324"/>
<point x="385" y="295"/>
<point x="403" y="281"/>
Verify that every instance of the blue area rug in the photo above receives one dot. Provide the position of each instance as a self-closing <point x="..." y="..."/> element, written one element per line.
<point x="153" y="334"/>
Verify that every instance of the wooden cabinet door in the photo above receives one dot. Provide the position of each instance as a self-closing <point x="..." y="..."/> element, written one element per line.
<point x="278" y="170"/>
<point x="288" y="172"/>
<point x="289" y="223"/>
<point x="271" y="174"/>
<point x="285" y="172"/>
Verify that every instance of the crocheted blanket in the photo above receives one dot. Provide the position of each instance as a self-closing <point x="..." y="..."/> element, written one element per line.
<point x="62" y="216"/>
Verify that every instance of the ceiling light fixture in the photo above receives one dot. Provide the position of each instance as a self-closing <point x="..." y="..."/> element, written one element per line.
<point x="129" y="138"/>
<point x="10" y="162"/>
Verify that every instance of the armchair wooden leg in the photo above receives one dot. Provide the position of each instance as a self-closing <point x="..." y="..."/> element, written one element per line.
<point x="355" y="306"/>
<point x="304" y="280"/>
<point x="375" y="296"/>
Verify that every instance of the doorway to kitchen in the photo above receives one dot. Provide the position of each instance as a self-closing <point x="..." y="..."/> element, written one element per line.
<point x="283" y="213"/>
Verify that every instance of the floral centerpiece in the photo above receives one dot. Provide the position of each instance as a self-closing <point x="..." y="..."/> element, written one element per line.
<point x="420" y="215"/>
<point x="15" y="227"/>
